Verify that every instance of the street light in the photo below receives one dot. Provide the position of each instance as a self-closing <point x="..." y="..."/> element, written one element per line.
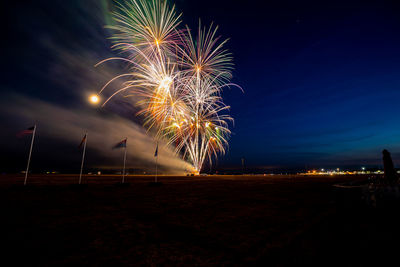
<point x="94" y="99"/>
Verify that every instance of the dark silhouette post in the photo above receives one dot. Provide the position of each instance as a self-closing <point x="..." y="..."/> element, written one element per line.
<point x="390" y="172"/>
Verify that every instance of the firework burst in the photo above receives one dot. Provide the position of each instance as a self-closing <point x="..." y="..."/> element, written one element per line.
<point x="178" y="77"/>
<point x="148" y="25"/>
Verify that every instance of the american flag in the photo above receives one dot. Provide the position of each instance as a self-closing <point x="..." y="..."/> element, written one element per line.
<point x="82" y="142"/>
<point x="120" y="144"/>
<point x="25" y="132"/>
<point x="156" y="152"/>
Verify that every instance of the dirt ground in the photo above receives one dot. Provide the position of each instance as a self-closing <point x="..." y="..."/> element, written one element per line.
<point x="201" y="221"/>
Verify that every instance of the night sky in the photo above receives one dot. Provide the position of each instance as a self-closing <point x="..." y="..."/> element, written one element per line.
<point x="321" y="80"/>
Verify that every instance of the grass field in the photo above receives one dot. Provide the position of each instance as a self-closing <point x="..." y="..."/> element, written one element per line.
<point x="212" y="220"/>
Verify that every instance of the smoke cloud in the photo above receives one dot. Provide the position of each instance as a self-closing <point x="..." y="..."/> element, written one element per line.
<point x="51" y="87"/>
<point x="68" y="125"/>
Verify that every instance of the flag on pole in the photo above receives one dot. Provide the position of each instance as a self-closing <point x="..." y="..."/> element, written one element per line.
<point x="156" y="152"/>
<point x="123" y="171"/>
<point x="82" y="142"/>
<point x="156" y="156"/>
<point x="31" y="130"/>
<point x="120" y="144"/>
<point x="26" y="132"/>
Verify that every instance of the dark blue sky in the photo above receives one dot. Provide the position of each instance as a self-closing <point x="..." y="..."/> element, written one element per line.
<point x="321" y="78"/>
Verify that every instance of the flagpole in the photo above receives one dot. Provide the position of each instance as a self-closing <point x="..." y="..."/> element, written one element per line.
<point x="155" y="178"/>
<point x="123" y="172"/>
<point x="83" y="158"/>
<point x="30" y="154"/>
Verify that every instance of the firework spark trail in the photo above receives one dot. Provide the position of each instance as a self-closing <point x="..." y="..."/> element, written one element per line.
<point x="178" y="77"/>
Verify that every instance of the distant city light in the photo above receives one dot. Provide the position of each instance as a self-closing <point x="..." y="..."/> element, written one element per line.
<point x="338" y="171"/>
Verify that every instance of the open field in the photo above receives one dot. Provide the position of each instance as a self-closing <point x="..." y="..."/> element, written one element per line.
<point x="213" y="220"/>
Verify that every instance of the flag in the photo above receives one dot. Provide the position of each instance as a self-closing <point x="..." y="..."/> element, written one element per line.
<point x="83" y="141"/>
<point x="120" y="144"/>
<point x="27" y="131"/>
<point x="156" y="152"/>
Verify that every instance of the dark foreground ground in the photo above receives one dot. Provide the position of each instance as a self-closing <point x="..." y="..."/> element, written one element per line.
<point x="214" y="220"/>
